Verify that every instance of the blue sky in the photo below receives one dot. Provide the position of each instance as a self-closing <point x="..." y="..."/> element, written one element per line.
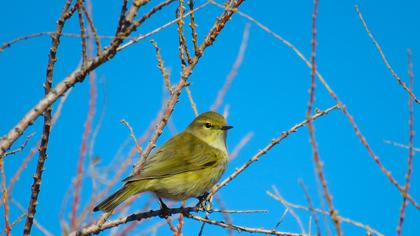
<point x="268" y="96"/>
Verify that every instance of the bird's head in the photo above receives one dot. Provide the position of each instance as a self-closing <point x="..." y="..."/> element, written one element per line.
<point x="211" y="127"/>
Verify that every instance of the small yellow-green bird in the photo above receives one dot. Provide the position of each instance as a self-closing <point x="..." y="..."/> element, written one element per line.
<point x="186" y="166"/>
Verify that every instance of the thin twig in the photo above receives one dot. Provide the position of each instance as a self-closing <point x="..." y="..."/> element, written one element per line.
<point x="92" y="28"/>
<point x="19" y="149"/>
<point x="133" y="136"/>
<point x="180" y="222"/>
<point x="5" y="199"/>
<point x="223" y="210"/>
<point x="400" y="145"/>
<point x="234" y="70"/>
<point x="38" y="225"/>
<point x="343" y="219"/>
<point x="171" y="226"/>
<point x="98" y="125"/>
<point x="127" y="229"/>
<point x="82" y="31"/>
<point x="193" y="26"/>
<point x="156" y="30"/>
<point x="115" y="179"/>
<point x="117" y="176"/>
<point x="226" y="215"/>
<point x="226" y="111"/>
<point x="281" y="218"/>
<point x="311" y="128"/>
<point x="162" y="68"/>
<point x="23" y="38"/>
<point x="410" y="144"/>
<point x="240" y="145"/>
<point x="311" y="208"/>
<point x="384" y="59"/>
<point x="208" y="207"/>
<point x="22" y="167"/>
<point x="77" y="184"/>
<point x="152" y="230"/>
<point x="183" y="48"/>
<point x="121" y="22"/>
<point x="191" y="99"/>
<point x="18" y="219"/>
<point x="292" y="212"/>
<point x="241" y="228"/>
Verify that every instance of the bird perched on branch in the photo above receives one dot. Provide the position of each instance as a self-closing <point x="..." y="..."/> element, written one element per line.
<point x="186" y="166"/>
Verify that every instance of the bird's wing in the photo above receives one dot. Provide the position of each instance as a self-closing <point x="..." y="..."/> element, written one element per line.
<point x="170" y="158"/>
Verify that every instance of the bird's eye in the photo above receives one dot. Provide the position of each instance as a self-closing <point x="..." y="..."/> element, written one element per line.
<point x="207" y="125"/>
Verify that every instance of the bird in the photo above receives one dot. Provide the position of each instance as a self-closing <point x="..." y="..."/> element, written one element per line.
<point x="185" y="166"/>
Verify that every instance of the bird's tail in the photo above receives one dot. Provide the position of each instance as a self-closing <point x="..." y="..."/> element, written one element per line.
<point x="119" y="196"/>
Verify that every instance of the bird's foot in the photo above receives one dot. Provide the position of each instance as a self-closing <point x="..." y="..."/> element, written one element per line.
<point x="164" y="210"/>
<point x="202" y="201"/>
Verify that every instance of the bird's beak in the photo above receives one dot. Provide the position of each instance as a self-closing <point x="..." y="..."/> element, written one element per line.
<point x="226" y="127"/>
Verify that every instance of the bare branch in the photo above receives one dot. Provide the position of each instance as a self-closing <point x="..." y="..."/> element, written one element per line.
<point x="77" y="184"/>
<point x="183" y="48"/>
<point x="240" y="145"/>
<point x="19" y="149"/>
<point x="226" y="216"/>
<point x="121" y="22"/>
<point x="92" y="28"/>
<point x="282" y="218"/>
<point x="311" y="128"/>
<point x="241" y="228"/>
<point x="5" y="199"/>
<point x="162" y="68"/>
<point x="311" y="208"/>
<point x="193" y="26"/>
<point x="410" y="146"/>
<point x="400" y="145"/>
<point x="65" y="15"/>
<point x="193" y="104"/>
<point x="95" y="228"/>
<point x="180" y="222"/>
<point x="291" y="210"/>
<point x="133" y="136"/>
<point x="171" y="225"/>
<point x="378" y="47"/>
<point x="82" y="31"/>
<point x="38" y="225"/>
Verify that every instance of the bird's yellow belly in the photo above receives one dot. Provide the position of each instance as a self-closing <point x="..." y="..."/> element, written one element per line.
<point x="189" y="184"/>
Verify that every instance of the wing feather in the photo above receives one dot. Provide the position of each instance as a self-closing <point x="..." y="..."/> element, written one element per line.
<point x="170" y="158"/>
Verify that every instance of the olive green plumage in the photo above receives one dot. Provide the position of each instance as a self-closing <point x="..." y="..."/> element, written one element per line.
<point x="186" y="166"/>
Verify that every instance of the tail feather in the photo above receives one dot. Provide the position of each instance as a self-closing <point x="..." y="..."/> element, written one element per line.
<point x="119" y="196"/>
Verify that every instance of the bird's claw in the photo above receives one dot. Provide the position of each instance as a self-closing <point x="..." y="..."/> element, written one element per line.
<point x="164" y="210"/>
<point x="202" y="201"/>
